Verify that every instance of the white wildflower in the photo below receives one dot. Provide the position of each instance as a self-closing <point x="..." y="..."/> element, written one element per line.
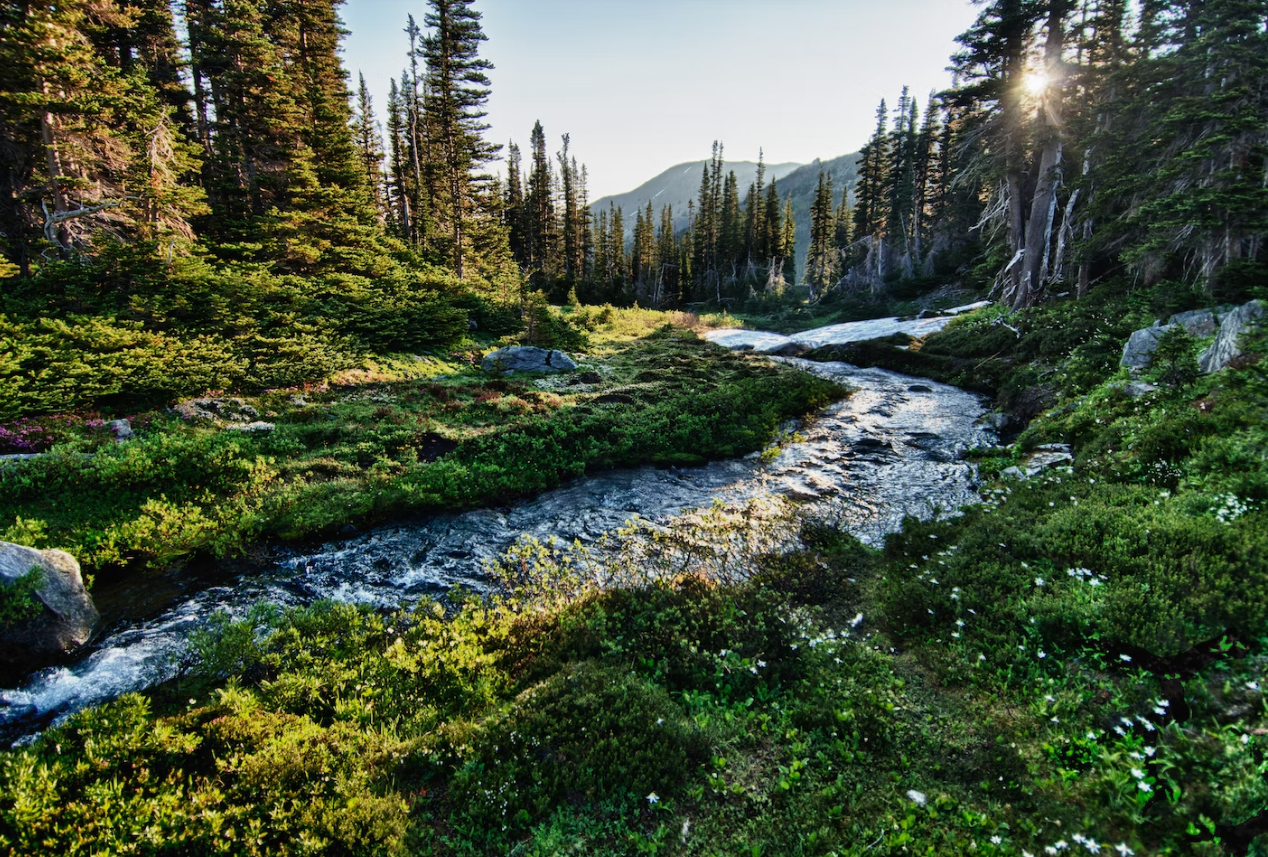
<point x="916" y="797"/>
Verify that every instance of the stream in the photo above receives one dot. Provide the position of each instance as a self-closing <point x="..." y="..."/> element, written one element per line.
<point x="894" y="448"/>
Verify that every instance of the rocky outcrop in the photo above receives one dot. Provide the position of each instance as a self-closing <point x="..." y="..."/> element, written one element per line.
<point x="68" y="616"/>
<point x="217" y="410"/>
<point x="1226" y="346"/>
<point x="1140" y="347"/>
<point x="1039" y="460"/>
<point x="527" y="358"/>
<point x="1226" y="324"/>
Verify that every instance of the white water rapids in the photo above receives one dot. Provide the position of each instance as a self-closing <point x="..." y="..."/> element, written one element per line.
<point x="895" y="447"/>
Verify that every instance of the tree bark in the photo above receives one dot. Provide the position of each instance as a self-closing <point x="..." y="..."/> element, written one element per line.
<point x="1038" y="235"/>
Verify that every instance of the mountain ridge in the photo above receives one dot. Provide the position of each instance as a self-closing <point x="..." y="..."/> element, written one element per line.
<point x="681" y="182"/>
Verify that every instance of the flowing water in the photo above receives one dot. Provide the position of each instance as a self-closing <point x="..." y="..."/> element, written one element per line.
<point x="893" y="448"/>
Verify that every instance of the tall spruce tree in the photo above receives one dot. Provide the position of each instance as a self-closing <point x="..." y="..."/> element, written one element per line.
<point x="369" y="142"/>
<point x="541" y="227"/>
<point x="821" y="260"/>
<point x="457" y="88"/>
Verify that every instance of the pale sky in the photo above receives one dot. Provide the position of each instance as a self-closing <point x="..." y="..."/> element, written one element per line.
<point x="642" y="86"/>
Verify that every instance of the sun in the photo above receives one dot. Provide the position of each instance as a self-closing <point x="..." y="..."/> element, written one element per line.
<point x="1035" y="82"/>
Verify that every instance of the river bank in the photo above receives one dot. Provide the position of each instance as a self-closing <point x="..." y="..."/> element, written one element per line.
<point x="894" y="448"/>
<point x="1075" y="663"/>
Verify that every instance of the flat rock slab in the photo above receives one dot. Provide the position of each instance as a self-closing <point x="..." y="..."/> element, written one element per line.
<point x="1042" y="458"/>
<point x="527" y="358"/>
<point x="834" y="334"/>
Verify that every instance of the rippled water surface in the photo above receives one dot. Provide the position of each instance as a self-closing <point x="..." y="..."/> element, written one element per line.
<point x="893" y="448"/>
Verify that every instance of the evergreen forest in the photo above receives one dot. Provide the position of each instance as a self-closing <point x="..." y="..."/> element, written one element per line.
<point x="254" y="333"/>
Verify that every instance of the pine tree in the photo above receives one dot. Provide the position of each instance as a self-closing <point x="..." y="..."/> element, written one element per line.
<point x="991" y="67"/>
<point x="457" y="89"/>
<point x="771" y="244"/>
<point x="570" y="212"/>
<point x="869" y="207"/>
<point x="821" y="261"/>
<point x="399" y="173"/>
<point x="370" y="145"/>
<point x="540" y="231"/>
<point x="731" y="237"/>
<point x="788" y="243"/>
<point x="90" y="143"/>
<point x="667" y="263"/>
<point x="842" y="221"/>
<point x="515" y="209"/>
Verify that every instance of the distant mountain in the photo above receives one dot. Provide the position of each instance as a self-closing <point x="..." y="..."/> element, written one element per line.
<point x="802" y="183"/>
<point x="676" y="185"/>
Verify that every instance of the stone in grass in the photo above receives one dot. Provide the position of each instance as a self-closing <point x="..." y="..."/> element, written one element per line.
<point x="1226" y="324"/>
<point x="257" y="427"/>
<point x="67" y="615"/>
<point x="122" y="429"/>
<point x="527" y="358"/>
<point x="1043" y="457"/>
<point x="1226" y="348"/>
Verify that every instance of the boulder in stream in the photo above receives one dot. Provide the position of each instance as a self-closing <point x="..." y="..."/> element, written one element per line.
<point x="66" y="615"/>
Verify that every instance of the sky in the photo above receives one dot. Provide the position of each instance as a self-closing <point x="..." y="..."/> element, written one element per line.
<point x="643" y="85"/>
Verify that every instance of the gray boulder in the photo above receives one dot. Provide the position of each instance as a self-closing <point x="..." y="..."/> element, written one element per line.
<point x="1000" y="421"/>
<point x="122" y="429"/>
<point x="1200" y="323"/>
<point x="527" y="358"/>
<point x="1043" y="457"/>
<point x="68" y="616"/>
<point x="1225" y="348"/>
<point x="1226" y="324"/>
<point x="1140" y="347"/>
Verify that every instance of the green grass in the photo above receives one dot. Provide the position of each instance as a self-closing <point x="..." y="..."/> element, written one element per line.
<point x="1078" y="659"/>
<point x="371" y="446"/>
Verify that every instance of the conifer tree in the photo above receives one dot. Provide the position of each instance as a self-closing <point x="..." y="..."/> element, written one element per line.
<point x="540" y="231"/>
<point x="788" y="243"/>
<point x="515" y="210"/>
<point x="570" y="212"/>
<point x="821" y="260"/>
<point x="369" y="142"/>
<point x="869" y="209"/>
<point x="90" y="145"/>
<point x="457" y="88"/>
<point x="399" y="174"/>
<point x="841" y="226"/>
<point x="772" y="241"/>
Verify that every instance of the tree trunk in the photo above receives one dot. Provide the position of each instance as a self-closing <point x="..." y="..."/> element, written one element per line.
<point x="1038" y="234"/>
<point x="1064" y="238"/>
